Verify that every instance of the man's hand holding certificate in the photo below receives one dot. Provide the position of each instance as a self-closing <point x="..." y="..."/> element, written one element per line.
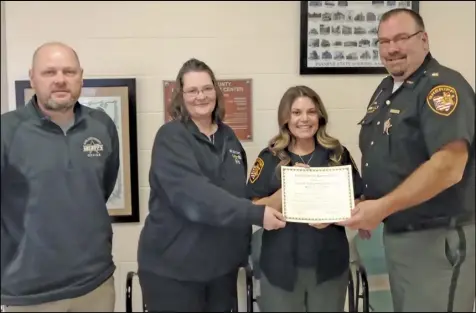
<point x="317" y="194"/>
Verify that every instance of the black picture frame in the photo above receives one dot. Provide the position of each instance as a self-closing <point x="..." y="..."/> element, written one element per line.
<point x="330" y="6"/>
<point x="112" y="88"/>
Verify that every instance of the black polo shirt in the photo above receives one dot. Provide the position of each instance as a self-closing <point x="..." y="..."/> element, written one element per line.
<point x="402" y="129"/>
<point x="299" y="245"/>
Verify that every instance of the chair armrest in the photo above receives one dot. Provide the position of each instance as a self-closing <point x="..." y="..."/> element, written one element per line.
<point x="249" y="287"/>
<point x="351" y="292"/>
<point x="362" y="273"/>
<point x="129" y="278"/>
<point x="248" y="271"/>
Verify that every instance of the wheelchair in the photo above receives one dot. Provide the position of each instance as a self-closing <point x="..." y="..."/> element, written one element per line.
<point x="355" y="294"/>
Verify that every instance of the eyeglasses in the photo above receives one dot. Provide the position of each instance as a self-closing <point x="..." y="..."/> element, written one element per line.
<point x="398" y="40"/>
<point x="207" y="92"/>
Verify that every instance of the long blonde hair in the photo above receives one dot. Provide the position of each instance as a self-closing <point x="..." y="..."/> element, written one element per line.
<point x="279" y="143"/>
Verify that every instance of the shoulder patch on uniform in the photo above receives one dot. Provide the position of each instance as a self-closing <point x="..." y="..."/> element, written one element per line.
<point x="442" y="100"/>
<point x="256" y="169"/>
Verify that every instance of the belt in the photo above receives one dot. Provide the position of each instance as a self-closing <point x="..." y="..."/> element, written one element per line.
<point x="439" y="222"/>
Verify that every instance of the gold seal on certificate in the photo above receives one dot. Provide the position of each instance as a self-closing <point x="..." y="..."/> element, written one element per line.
<point x="317" y="194"/>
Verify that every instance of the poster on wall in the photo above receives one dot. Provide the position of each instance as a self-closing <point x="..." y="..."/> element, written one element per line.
<point x="340" y="37"/>
<point x="116" y="97"/>
<point x="238" y="105"/>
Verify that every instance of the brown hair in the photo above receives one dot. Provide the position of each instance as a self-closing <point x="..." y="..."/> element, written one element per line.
<point x="281" y="141"/>
<point x="177" y="109"/>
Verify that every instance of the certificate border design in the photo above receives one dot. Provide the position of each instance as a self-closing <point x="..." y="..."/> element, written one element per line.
<point x="347" y="168"/>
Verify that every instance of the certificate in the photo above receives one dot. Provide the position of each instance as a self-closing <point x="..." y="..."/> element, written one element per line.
<point x="317" y="194"/>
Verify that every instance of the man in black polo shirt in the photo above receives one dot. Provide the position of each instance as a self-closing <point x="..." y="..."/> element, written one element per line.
<point x="59" y="165"/>
<point x="418" y="170"/>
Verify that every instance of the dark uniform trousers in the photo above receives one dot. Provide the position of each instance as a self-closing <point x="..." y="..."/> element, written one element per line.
<point x="430" y="247"/>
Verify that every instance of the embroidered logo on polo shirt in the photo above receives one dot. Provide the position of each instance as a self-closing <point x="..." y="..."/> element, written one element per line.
<point x="236" y="156"/>
<point x="93" y="147"/>
<point x="442" y="100"/>
<point x="256" y="170"/>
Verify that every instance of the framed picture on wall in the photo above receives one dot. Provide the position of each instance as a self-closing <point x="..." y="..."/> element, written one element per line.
<point x="340" y="37"/>
<point x="116" y="97"/>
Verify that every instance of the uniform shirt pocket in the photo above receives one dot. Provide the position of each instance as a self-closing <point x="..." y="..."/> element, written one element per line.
<point x="406" y="142"/>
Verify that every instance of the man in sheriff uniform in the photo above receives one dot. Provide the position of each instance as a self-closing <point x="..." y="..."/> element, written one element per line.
<point x="418" y="170"/>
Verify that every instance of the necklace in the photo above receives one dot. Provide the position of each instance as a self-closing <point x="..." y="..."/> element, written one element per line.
<point x="212" y="138"/>
<point x="307" y="163"/>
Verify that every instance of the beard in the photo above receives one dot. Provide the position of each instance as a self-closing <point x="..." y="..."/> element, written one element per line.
<point x="53" y="105"/>
<point x="398" y="70"/>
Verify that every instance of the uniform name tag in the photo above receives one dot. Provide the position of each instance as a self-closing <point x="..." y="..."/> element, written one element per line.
<point x="394" y="111"/>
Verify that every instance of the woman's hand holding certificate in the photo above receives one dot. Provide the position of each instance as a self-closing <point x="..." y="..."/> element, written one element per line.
<point x="317" y="195"/>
